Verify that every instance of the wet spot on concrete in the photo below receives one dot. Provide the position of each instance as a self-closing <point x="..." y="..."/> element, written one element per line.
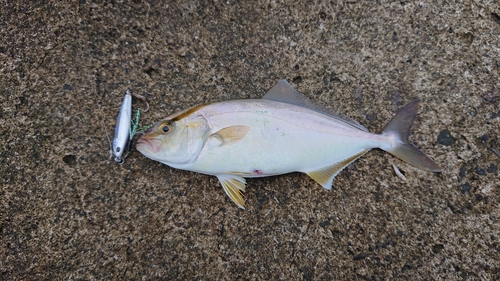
<point x="445" y="138"/>
<point x="492" y="168"/>
<point x="70" y="160"/>
<point x="437" y="248"/>
<point x="495" y="17"/>
<point x="360" y="256"/>
<point x="297" y="79"/>
<point x="466" y="187"/>
<point x="463" y="170"/>
<point x="324" y="224"/>
<point x="479" y="197"/>
<point x="480" y="171"/>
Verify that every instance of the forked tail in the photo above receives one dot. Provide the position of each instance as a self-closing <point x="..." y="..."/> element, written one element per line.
<point x="399" y="128"/>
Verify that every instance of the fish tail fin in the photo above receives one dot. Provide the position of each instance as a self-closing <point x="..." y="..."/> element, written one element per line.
<point x="399" y="128"/>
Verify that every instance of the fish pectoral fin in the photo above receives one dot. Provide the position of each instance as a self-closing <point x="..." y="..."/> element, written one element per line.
<point x="233" y="185"/>
<point x="232" y="134"/>
<point x="325" y="176"/>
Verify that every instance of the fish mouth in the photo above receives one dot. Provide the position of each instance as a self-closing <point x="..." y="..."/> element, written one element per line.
<point x="148" y="145"/>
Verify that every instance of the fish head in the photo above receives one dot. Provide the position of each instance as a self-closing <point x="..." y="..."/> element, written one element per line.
<point x="175" y="141"/>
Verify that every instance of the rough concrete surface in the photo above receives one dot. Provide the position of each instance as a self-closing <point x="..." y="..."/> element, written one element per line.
<point x="68" y="212"/>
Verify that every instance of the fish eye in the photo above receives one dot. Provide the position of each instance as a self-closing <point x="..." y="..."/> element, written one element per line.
<point x="165" y="128"/>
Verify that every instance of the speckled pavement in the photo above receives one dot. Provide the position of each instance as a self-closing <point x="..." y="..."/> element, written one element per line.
<point x="68" y="212"/>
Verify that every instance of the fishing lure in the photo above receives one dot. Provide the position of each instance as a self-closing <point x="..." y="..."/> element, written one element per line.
<point x="126" y="128"/>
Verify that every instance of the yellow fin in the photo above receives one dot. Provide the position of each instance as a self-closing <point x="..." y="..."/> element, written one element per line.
<point x="232" y="185"/>
<point x="231" y="134"/>
<point x="325" y="176"/>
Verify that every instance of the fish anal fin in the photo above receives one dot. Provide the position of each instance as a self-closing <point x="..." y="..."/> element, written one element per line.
<point x="233" y="185"/>
<point x="231" y="134"/>
<point x="325" y="176"/>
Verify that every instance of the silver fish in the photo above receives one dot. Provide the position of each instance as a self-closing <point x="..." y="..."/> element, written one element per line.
<point x="281" y="133"/>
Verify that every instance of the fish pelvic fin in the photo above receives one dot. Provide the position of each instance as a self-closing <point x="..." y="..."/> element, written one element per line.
<point x="325" y="176"/>
<point x="399" y="129"/>
<point x="233" y="185"/>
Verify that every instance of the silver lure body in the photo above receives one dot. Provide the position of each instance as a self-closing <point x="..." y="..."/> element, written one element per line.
<point x="122" y="137"/>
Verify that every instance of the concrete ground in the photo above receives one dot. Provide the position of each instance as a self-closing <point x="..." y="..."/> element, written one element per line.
<point x="68" y="212"/>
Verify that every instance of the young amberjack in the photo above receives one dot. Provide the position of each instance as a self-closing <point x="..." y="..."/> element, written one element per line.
<point x="281" y="133"/>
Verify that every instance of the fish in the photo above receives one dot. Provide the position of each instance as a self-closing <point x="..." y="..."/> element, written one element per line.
<point x="280" y="133"/>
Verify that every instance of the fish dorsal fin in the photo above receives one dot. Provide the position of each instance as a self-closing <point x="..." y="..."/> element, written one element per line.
<point x="231" y="134"/>
<point x="233" y="185"/>
<point x="325" y="176"/>
<point x="284" y="92"/>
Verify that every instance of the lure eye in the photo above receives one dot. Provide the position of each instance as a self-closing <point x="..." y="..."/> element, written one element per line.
<point x="165" y="128"/>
